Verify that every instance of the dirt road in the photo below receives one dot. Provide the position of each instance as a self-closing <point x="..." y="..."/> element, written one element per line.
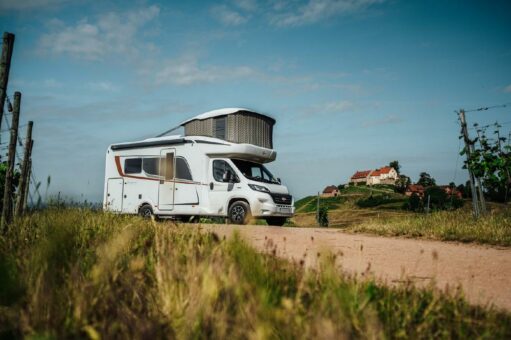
<point x="483" y="272"/>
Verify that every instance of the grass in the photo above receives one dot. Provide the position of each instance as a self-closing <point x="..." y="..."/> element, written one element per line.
<point x="459" y="225"/>
<point x="75" y="273"/>
<point x="309" y="203"/>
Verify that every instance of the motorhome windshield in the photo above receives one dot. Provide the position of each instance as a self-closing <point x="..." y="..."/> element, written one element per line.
<point x="255" y="171"/>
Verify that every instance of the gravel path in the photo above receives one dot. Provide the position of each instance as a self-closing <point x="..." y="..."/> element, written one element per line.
<point x="483" y="272"/>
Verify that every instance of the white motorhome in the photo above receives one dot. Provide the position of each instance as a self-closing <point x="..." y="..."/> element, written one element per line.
<point x="215" y="169"/>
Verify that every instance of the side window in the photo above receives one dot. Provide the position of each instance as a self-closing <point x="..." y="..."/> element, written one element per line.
<point x="219" y="168"/>
<point x="133" y="166"/>
<point x="182" y="169"/>
<point x="151" y="166"/>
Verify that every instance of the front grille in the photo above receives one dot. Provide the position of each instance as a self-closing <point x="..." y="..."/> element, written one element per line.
<point x="282" y="199"/>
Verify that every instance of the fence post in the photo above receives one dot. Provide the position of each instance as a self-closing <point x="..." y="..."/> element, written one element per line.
<point x="24" y="180"/>
<point x="5" y="66"/>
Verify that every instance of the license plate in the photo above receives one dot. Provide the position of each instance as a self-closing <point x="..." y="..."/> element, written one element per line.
<point x="285" y="210"/>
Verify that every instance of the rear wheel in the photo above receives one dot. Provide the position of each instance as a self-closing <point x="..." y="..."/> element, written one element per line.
<point x="276" y="221"/>
<point x="239" y="213"/>
<point x="145" y="211"/>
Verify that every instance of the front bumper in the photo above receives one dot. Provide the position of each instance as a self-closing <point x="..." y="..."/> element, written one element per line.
<point x="264" y="206"/>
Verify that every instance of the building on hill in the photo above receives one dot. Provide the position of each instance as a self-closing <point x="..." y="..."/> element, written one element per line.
<point x="384" y="175"/>
<point x="330" y="191"/>
<point x="450" y="191"/>
<point x="414" y="189"/>
<point x="360" y="177"/>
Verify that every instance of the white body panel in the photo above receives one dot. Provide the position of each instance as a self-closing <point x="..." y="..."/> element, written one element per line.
<point x="198" y="195"/>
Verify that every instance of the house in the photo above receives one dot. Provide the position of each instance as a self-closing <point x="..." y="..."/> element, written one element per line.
<point x="450" y="191"/>
<point x="360" y="177"/>
<point x="414" y="189"/>
<point x="330" y="191"/>
<point x="384" y="175"/>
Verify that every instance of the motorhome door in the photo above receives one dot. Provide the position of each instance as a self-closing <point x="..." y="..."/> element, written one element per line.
<point x="114" y="194"/>
<point x="220" y="186"/>
<point x="167" y="185"/>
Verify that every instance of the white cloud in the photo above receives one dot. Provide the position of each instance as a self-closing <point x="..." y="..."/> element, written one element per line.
<point x="103" y="86"/>
<point x="246" y="5"/>
<point x="340" y="106"/>
<point x="289" y="14"/>
<point x="18" y="5"/>
<point x="187" y="71"/>
<point x="111" y="33"/>
<point x="507" y="89"/>
<point x="228" y="16"/>
<point x="389" y="120"/>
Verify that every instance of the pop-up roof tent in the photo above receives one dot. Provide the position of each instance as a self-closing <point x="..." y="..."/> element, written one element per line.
<point x="235" y="125"/>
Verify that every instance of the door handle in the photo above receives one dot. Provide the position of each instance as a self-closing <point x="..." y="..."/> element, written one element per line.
<point x="211" y="185"/>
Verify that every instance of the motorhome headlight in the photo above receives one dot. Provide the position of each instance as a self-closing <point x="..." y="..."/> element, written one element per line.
<point x="259" y="188"/>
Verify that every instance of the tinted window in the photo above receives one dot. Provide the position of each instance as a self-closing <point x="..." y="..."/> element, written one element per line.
<point x="182" y="169"/>
<point x="133" y="166"/>
<point x="219" y="168"/>
<point x="220" y="127"/>
<point x="151" y="166"/>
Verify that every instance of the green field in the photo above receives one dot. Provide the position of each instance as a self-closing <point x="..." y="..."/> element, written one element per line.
<point x="388" y="218"/>
<point x="73" y="273"/>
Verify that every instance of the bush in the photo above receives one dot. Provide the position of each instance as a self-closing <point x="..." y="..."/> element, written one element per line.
<point x="414" y="203"/>
<point x="323" y="216"/>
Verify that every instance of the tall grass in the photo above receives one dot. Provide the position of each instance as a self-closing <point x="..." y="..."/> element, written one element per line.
<point x="493" y="228"/>
<point x="76" y="273"/>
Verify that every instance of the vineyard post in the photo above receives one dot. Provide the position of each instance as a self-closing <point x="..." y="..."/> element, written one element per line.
<point x="7" y="203"/>
<point x="464" y="131"/>
<point x="24" y="179"/>
<point x="5" y="66"/>
<point x="29" y="174"/>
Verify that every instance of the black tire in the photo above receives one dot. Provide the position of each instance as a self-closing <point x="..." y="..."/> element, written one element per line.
<point x="239" y="213"/>
<point x="276" y="221"/>
<point x="145" y="211"/>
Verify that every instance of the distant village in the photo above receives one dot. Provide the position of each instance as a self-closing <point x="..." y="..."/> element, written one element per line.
<point x="388" y="175"/>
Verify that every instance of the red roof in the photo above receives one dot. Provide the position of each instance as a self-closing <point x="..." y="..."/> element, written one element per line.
<point x="385" y="169"/>
<point x="415" y="188"/>
<point x="329" y="189"/>
<point x="375" y="173"/>
<point x="361" y="174"/>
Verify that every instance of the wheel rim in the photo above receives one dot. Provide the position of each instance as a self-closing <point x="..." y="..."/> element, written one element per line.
<point x="146" y="213"/>
<point x="238" y="214"/>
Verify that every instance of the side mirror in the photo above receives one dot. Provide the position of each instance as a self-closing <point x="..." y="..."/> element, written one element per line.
<point x="278" y="180"/>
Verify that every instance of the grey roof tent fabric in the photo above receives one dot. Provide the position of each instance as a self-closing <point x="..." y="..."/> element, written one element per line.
<point x="240" y="127"/>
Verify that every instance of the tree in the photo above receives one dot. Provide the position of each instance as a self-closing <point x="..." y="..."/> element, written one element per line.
<point x="396" y="166"/>
<point x="414" y="203"/>
<point x="491" y="161"/>
<point x="402" y="183"/>
<point x="426" y="180"/>
<point x="437" y="198"/>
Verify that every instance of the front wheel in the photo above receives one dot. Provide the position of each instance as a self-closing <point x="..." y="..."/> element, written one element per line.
<point x="276" y="221"/>
<point x="145" y="211"/>
<point x="239" y="213"/>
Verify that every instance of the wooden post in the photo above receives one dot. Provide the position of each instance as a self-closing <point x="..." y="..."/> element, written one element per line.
<point x="24" y="180"/>
<point x="29" y="174"/>
<point x="7" y="203"/>
<point x="317" y="209"/>
<point x="468" y="149"/>
<point x="5" y="66"/>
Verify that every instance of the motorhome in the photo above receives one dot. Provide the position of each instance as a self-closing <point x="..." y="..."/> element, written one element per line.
<point x="216" y="168"/>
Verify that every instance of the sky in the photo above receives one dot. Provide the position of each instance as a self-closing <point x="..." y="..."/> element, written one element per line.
<point x="353" y="84"/>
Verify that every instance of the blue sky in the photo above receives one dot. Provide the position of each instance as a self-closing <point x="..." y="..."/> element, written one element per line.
<point x="353" y="84"/>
